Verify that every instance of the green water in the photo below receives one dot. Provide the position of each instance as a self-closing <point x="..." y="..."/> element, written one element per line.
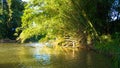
<point x="25" y="56"/>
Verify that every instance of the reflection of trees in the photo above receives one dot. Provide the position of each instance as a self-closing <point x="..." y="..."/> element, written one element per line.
<point x="33" y="57"/>
<point x="60" y="58"/>
<point x="22" y="56"/>
<point x="70" y="53"/>
<point x="41" y="58"/>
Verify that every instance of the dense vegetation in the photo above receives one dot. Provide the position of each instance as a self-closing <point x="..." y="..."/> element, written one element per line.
<point x="10" y="17"/>
<point x="88" y="23"/>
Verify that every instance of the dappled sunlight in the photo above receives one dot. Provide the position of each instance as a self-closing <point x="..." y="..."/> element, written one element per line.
<point x="106" y="38"/>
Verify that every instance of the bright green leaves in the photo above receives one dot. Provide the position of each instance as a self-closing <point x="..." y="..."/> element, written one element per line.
<point x="60" y="18"/>
<point x="42" y="16"/>
<point x="26" y="20"/>
<point x="53" y="17"/>
<point x="31" y="34"/>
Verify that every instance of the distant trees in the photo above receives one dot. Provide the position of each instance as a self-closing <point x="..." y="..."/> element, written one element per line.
<point x="3" y="18"/>
<point x="10" y="17"/>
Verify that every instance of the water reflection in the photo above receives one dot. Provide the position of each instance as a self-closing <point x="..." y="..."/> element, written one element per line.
<point x="41" y="58"/>
<point x="25" y="56"/>
<point x="36" y="45"/>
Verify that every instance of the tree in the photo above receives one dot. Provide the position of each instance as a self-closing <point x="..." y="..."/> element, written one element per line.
<point x="11" y="17"/>
<point x="55" y="18"/>
<point x="16" y="8"/>
<point x="76" y="19"/>
<point x="3" y="19"/>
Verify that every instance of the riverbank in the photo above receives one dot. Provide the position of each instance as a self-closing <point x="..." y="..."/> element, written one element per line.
<point x="111" y="50"/>
<point x="108" y="48"/>
<point x="7" y="41"/>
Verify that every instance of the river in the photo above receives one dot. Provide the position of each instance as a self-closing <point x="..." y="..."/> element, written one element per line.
<point x="13" y="55"/>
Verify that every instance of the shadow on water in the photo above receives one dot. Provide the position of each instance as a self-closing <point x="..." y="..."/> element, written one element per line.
<point x="25" y="56"/>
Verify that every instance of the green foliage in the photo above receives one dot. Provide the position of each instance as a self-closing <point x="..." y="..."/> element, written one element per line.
<point x="58" y="18"/>
<point x="3" y="16"/>
<point x="111" y="48"/>
<point x="2" y="30"/>
<point x="66" y="17"/>
<point x="45" y="20"/>
<point x="31" y="34"/>
<point x="15" y="12"/>
<point x="10" y="17"/>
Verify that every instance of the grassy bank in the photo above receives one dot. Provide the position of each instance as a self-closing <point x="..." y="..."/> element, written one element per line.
<point x="110" y="47"/>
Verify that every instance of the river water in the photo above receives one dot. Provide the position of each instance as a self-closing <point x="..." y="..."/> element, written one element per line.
<point x="14" y="55"/>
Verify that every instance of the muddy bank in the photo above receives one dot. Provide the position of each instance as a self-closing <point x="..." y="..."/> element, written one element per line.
<point x="7" y="41"/>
